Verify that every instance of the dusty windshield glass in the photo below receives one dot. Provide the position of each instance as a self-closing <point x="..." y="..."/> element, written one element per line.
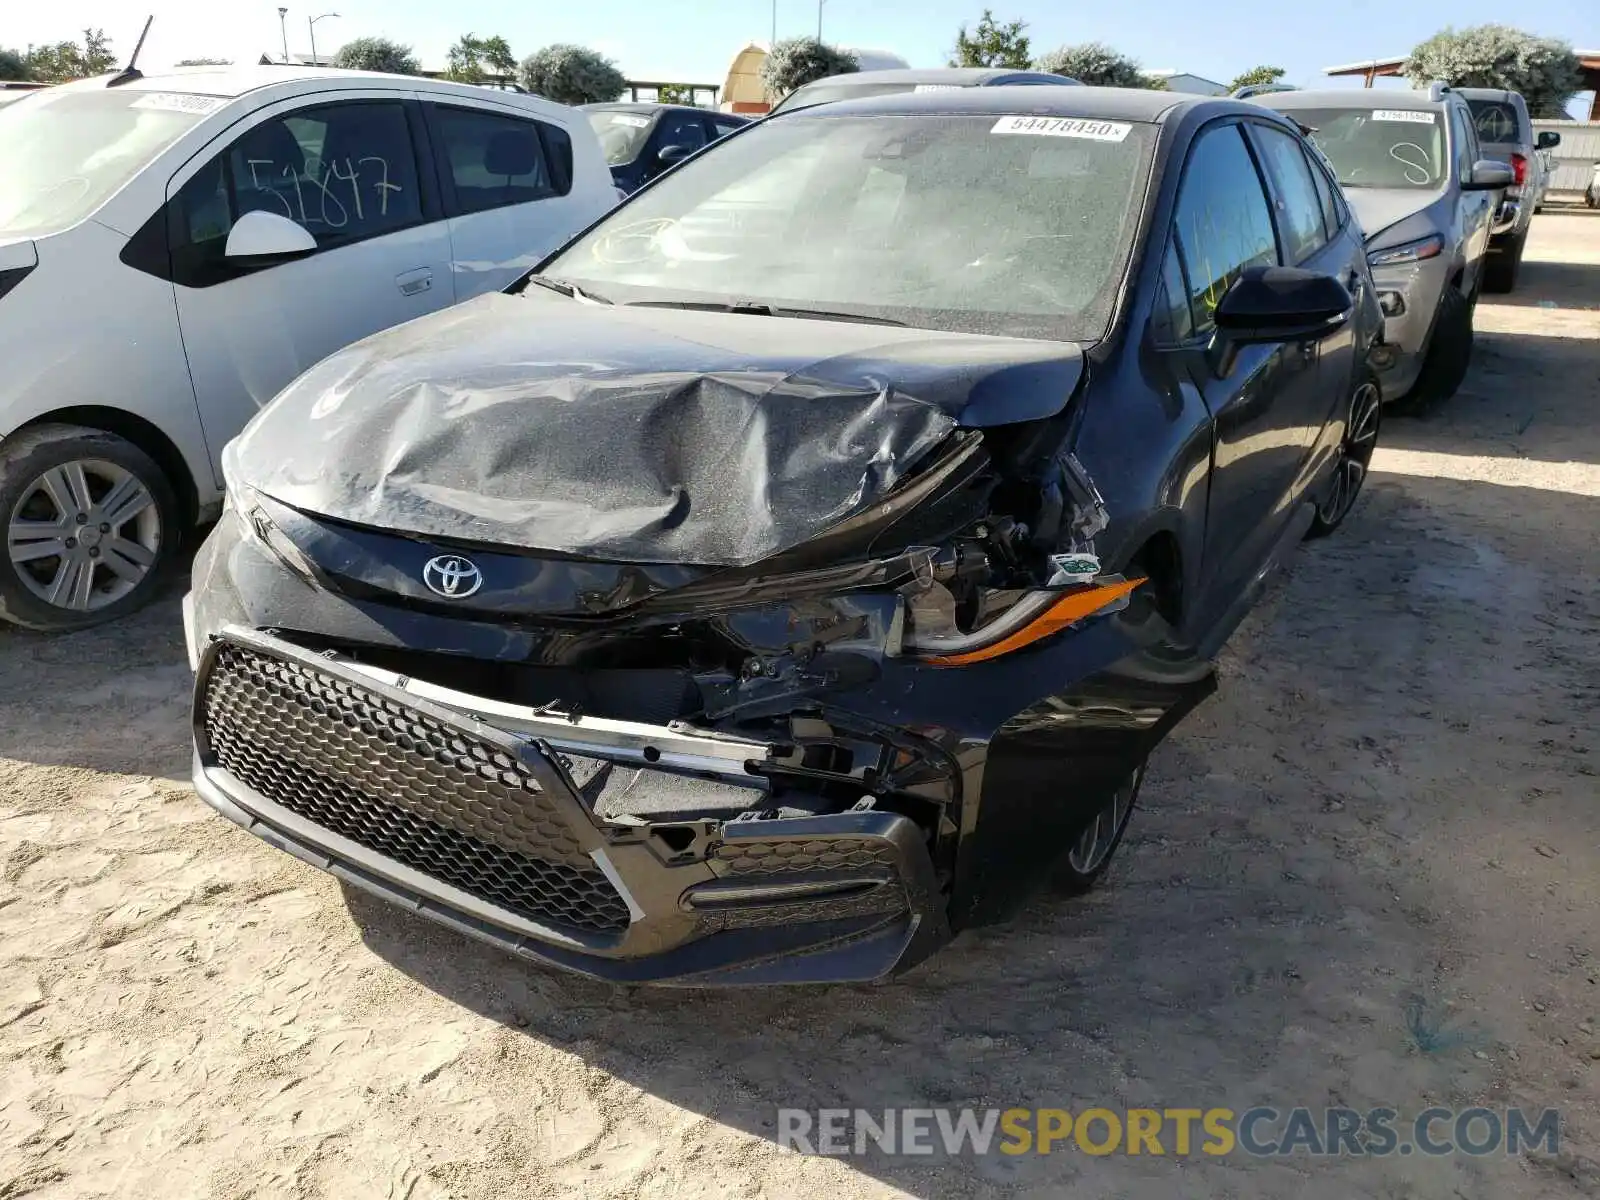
<point x="987" y="224"/>
<point x="65" y="152"/>
<point x="622" y="134"/>
<point x="827" y="91"/>
<point x="1379" y="148"/>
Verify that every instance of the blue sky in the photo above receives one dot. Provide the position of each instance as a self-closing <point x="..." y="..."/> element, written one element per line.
<point x="694" y="39"/>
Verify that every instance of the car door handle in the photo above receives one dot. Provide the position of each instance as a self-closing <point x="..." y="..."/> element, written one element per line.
<point x="414" y="283"/>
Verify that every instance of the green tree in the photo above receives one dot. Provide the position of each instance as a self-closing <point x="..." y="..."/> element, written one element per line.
<point x="474" y="59"/>
<point x="62" y="61"/>
<point x="13" y="65"/>
<point x="1098" y="65"/>
<point x="675" y="93"/>
<point x="795" y="62"/>
<point x="571" y="75"/>
<point x="464" y="62"/>
<point x="1256" y="77"/>
<point x="204" y="62"/>
<point x="497" y="56"/>
<point x="992" y="44"/>
<point x="377" y="54"/>
<point x="1544" y="70"/>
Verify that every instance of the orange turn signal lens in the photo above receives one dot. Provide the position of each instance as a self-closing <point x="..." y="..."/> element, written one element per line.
<point x="1071" y="608"/>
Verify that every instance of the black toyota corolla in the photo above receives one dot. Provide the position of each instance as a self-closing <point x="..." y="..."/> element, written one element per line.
<point x="805" y="559"/>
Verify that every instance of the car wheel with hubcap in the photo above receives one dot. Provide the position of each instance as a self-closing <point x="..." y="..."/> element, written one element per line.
<point x="90" y="523"/>
<point x="1362" y="421"/>
<point x="1089" y="856"/>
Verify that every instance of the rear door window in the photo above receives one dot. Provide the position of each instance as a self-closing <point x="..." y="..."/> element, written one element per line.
<point x="492" y="160"/>
<point x="1497" y="121"/>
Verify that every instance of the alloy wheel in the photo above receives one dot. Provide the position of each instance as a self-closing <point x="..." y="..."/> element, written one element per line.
<point x="1355" y="454"/>
<point x="84" y="534"/>
<point x="1099" y="838"/>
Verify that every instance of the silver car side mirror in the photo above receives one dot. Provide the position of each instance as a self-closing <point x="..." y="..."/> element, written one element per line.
<point x="1488" y="176"/>
<point x="264" y="236"/>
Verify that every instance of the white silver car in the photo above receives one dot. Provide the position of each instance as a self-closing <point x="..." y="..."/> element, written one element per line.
<point x="174" y="250"/>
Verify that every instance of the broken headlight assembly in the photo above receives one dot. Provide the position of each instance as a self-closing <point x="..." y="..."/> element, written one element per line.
<point x="256" y="525"/>
<point x="970" y="612"/>
<point x="997" y="589"/>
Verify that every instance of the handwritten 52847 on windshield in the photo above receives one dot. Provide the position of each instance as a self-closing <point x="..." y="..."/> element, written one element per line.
<point x="341" y="194"/>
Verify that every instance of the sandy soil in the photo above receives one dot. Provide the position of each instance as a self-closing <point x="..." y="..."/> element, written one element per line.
<point x="1366" y="873"/>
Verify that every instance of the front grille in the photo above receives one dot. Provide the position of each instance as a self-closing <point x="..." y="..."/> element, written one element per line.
<point x="783" y="856"/>
<point x="402" y="784"/>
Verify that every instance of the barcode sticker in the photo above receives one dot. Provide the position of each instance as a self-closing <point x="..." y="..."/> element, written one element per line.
<point x="185" y="102"/>
<point x="1069" y="127"/>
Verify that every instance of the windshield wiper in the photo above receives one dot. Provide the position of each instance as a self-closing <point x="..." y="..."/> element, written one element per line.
<point x="570" y="290"/>
<point x="766" y="310"/>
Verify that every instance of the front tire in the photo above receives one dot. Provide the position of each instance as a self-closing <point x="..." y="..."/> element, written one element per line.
<point x="91" y="525"/>
<point x="1363" y="418"/>
<point x="1449" y="353"/>
<point x="1082" y="866"/>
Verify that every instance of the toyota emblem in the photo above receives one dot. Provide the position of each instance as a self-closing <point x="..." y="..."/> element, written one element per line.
<point x="451" y="576"/>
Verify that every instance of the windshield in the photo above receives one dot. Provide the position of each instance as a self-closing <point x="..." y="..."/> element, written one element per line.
<point x="1382" y="148"/>
<point x="622" y="134"/>
<point x="65" y="151"/>
<point x="826" y="91"/>
<point x="1496" y="121"/>
<point x="984" y="224"/>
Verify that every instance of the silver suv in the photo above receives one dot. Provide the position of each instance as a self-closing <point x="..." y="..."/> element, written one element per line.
<point x="1428" y="203"/>
<point x="1505" y="132"/>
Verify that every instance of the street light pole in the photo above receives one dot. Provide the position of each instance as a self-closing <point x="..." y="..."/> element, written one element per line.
<point x="774" y="41"/>
<point x="820" y="3"/>
<point x="284" y="30"/>
<point x="311" y="24"/>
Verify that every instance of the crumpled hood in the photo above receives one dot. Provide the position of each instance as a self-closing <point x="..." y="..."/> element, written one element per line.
<point x="631" y="434"/>
<point x="1378" y="208"/>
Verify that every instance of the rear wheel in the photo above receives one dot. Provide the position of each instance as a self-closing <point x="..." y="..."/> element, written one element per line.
<point x="1083" y="865"/>
<point x="1448" y="353"/>
<point x="90" y="522"/>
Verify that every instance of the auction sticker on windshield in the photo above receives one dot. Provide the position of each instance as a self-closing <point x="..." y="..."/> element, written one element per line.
<point x="1072" y="127"/>
<point x="625" y="119"/>
<point x="1403" y="114"/>
<point x="185" y="102"/>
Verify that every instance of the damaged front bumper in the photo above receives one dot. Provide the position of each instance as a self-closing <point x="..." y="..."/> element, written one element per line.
<point x="409" y="792"/>
<point x="645" y="773"/>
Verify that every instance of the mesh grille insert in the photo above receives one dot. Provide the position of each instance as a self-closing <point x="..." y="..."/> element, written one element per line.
<point x="403" y="785"/>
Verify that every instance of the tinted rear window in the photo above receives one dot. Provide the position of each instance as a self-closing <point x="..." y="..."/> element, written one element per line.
<point x="1497" y="120"/>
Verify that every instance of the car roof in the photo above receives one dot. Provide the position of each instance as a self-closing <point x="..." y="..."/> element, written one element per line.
<point x="960" y="76"/>
<point x="233" y="82"/>
<point x="1358" y="98"/>
<point x="1050" y="100"/>
<point x="648" y="106"/>
<point x="1486" y="94"/>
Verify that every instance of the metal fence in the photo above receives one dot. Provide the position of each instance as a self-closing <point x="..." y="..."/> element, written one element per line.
<point x="1575" y="157"/>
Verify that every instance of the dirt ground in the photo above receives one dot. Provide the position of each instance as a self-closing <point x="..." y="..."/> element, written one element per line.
<point x="1366" y="873"/>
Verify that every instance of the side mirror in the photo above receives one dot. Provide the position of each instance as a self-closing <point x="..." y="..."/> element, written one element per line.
<point x="1549" y="140"/>
<point x="674" y="153"/>
<point x="262" y="238"/>
<point x="1489" y="176"/>
<point x="1282" y="304"/>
